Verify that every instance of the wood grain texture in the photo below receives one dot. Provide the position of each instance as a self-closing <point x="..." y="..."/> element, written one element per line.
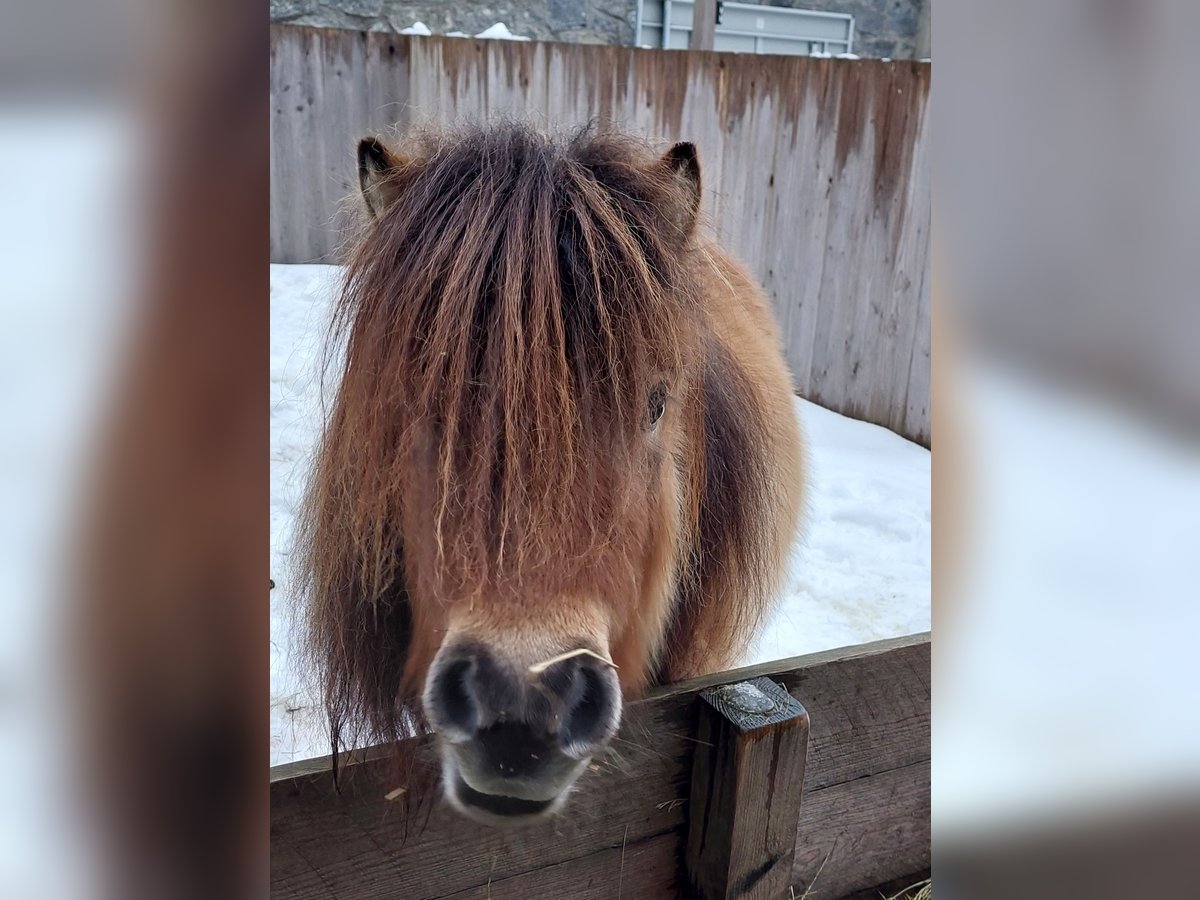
<point x="816" y="172"/>
<point x="869" y="709"/>
<point x="901" y="887"/>
<point x="747" y="776"/>
<point x="357" y="845"/>
<point x="638" y="869"/>
<point x="862" y="833"/>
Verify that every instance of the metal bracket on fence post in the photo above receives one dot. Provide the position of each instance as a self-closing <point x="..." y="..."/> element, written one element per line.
<point x="745" y="799"/>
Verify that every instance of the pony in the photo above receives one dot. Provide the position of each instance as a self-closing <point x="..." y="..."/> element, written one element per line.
<point x="562" y="464"/>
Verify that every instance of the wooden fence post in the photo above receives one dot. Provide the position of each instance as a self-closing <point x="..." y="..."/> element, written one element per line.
<point x="704" y="25"/>
<point x="745" y="800"/>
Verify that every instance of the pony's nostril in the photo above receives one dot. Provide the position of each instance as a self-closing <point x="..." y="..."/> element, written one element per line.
<point x="473" y="698"/>
<point x="591" y="707"/>
<point x="453" y="703"/>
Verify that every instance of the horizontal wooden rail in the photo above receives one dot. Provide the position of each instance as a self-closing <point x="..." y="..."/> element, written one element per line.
<point x="863" y="821"/>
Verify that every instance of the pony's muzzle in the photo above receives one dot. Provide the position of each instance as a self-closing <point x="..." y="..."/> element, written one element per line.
<point x="515" y="740"/>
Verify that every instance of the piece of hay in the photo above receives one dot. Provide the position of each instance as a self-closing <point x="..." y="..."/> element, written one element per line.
<point x="539" y="668"/>
<point x="924" y="891"/>
<point x="393" y="794"/>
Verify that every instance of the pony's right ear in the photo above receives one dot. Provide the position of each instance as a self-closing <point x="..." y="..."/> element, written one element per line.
<point x="682" y="164"/>
<point x="377" y="170"/>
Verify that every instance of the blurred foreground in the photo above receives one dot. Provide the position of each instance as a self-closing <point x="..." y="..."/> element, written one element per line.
<point x="133" y="528"/>
<point x="1066" y="739"/>
<point x="133" y="340"/>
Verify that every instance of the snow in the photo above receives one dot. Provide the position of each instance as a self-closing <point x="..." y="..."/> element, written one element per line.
<point x="497" y="32"/>
<point x="821" y="54"/>
<point x="419" y="28"/>
<point x="300" y="297"/>
<point x="862" y="573"/>
<point x="847" y="56"/>
<point x="1071" y="633"/>
<point x="500" y="32"/>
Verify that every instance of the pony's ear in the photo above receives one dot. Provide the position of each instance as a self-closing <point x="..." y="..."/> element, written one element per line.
<point x="682" y="164"/>
<point x="377" y="170"/>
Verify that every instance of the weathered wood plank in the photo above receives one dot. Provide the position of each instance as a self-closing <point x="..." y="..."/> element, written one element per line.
<point x="642" y="869"/>
<point x="863" y="833"/>
<point x="358" y="845"/>
<point x="903" y="887"/>
<point x="816" y="172"/>
<point x="869" y="708"/>
<point x="869" y="705"/>
<point x="747" y="777"/>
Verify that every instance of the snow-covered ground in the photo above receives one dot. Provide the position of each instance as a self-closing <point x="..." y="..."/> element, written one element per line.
<point x="862" y="572"/>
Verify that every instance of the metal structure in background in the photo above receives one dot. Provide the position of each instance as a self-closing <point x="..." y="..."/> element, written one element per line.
<point x="747" y="28"/>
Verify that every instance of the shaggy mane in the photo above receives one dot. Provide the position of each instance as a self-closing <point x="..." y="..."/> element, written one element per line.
<point x="502" y="323"/>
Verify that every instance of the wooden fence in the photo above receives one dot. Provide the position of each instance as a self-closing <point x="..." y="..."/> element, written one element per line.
<point x="816" y="172"/>
<point x="632" y="827"/>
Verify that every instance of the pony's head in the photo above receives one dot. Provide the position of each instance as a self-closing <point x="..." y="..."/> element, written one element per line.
<point x="494" y="523"/>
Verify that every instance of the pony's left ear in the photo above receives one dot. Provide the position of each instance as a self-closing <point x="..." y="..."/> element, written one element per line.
<point x="682" y="164"/>
<point x="378" y="168"/>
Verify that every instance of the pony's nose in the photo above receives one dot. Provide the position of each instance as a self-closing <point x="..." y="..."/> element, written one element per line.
<point x="587" y="698"/>
<point x="574" y="702"/>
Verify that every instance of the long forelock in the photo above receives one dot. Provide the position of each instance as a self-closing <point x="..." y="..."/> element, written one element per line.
<point x="518" y="299"/>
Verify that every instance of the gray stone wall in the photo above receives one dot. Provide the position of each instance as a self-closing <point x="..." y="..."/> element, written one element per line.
<point x="576" y="21"/>
<point x="882" y="28"/>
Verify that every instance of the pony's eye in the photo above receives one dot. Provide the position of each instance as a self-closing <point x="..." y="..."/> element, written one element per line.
<point x="657" y="403"/>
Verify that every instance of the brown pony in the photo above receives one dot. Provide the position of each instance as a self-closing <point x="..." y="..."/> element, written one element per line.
<point x="563" y="462"/>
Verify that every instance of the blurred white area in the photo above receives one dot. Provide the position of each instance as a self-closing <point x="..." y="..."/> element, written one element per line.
<point x="1065" y="663"/>
<point x="1066" y="674"/>
<point x="1068" y="189"/>
<point x="66" y="267"/>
